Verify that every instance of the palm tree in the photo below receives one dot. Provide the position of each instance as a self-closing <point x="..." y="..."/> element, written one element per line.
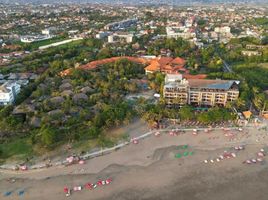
<point x="240" y="103"/>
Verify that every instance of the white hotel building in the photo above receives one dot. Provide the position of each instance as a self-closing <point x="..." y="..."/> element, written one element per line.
<point x="8" y="92"/>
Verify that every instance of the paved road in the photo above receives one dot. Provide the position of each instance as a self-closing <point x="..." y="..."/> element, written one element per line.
<point x="227" y="67"/>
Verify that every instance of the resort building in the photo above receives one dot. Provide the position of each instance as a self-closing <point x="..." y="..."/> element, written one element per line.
<point x="166" y="65"/>
<point x="8" y="92"/>
<point x="200" y="92"/>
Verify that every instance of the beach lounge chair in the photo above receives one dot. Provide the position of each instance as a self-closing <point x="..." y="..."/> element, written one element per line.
<point x="77" y="188"/>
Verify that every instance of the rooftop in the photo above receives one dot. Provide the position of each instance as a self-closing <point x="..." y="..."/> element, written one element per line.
<point x="212" y="84"/>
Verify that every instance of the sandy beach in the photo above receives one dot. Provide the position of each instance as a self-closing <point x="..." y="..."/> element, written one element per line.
<point x="150" y="170"/>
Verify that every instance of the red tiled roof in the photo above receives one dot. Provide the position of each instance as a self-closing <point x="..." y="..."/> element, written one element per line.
<point x="166" y="64"/>
<point x="178" y="61"/>
<point x="164" y="60"/>
<point x="154" y="66"/>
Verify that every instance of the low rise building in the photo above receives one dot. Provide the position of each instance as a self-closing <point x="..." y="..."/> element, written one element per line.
<point x="199" y="92"/>
<point x="251" y="53"/>
<point x="120" y="37"/>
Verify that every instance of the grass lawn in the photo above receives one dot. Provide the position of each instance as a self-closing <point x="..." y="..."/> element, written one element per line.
<point x="18" y="149"/>
<point x="36" y="45"/>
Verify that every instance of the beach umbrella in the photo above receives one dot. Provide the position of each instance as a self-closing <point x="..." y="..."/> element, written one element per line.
<point x="135" y="141"/>
<point x="99" y="183"/>
<point x="218" y="160"/>
<point x="108" y="181"/>
<point x="23" y="168"/>
<point x="8" y="193"/>
<point x="248" y="161"/>
<point x="21" y="192"/>
<point x="81" y="162"/>
<point x="156" y="133"/>
<point x="191" y="153"/>
<point x="194" y="133"/>
<point x="262" y="150"/>
<point x="89" y="186"/>
<point x="260" y="154"/>
<point x="205" y="161"/>
<point x="185" y="153"/>
<point x="185" y="146"/>
<point x="65" y="189"/>
<point x="178" y="155"/>
<point x="212" y="161"/>
<point x="70" y="159"/>
<point x="241" y="147"/>
<point x="233" y="154"/>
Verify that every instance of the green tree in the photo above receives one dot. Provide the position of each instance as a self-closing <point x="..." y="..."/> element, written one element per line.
<point x="186" y="113"/>
<point x="48" y="136"/>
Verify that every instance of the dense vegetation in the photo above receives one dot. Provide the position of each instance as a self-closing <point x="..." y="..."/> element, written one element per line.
<point x="81" y="106"/>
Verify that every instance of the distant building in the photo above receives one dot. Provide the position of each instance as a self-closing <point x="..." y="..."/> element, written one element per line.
<point x="8" y="92"/>
<point x="251" y="53"/>
<point x="46" y="32"/>
<point x="253" y="46"/>
<point x="120" y="25"/>
<point x="102" y="35"/>
<point x="179" y="32"/>
<point x="224" y="29"/>
<point x="178" y="91"/>
<point x="30" y="39"/>
<point x="120" y="37"/>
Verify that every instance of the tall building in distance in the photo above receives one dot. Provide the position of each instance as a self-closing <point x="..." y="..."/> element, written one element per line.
<point x="199" y="92"/>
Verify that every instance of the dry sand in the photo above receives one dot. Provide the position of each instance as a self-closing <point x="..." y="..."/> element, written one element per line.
<point x="150" y="170"/>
